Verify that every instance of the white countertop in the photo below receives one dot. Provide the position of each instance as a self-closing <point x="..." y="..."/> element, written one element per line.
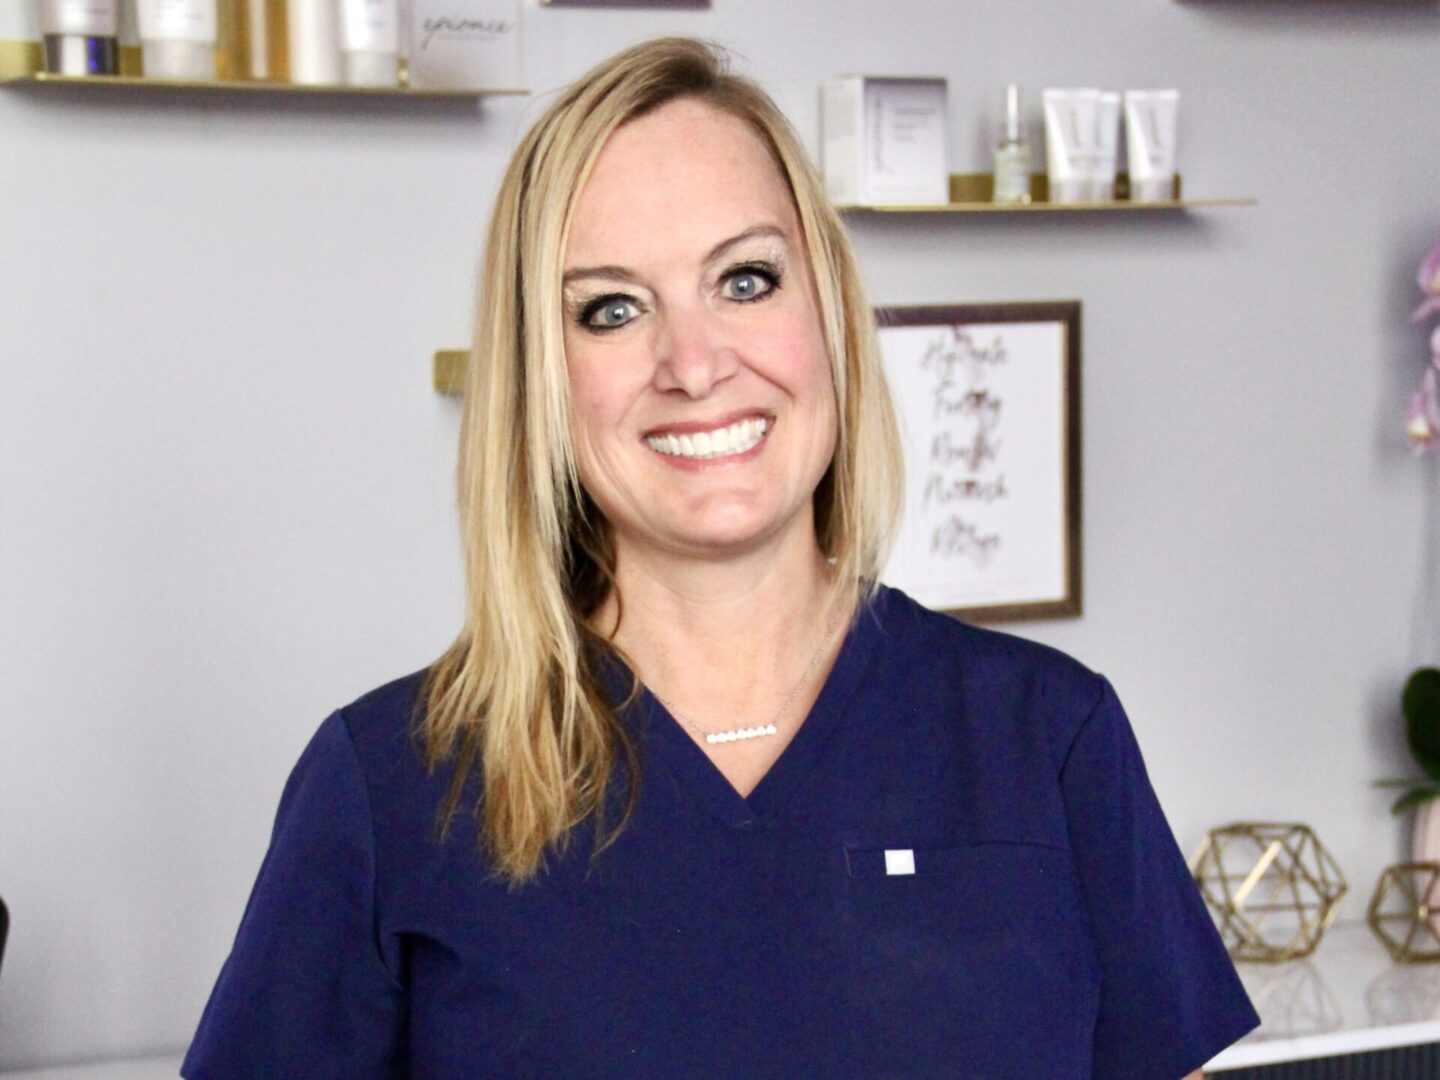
<point x="156" y="1068"/>
<point x="1348" y="996"/>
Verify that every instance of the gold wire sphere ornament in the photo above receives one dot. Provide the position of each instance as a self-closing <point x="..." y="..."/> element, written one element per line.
<point x="1273" y="888"/>
<point x="1405" y="911"/>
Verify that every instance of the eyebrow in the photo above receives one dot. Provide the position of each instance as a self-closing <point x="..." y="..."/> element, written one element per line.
<point x="622" y="273"/>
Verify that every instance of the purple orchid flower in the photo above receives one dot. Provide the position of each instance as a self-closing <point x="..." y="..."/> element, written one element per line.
<point x="1422" y="419"/>
<point x="1429" y="278"/>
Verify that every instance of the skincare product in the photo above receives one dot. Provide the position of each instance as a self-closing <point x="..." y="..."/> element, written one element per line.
<point x="21" y="50"/>
<point x="314" y="31"/>
<point x="370" y="36"/>
<point x="81" y="36"/>
<point x="1107" y="148"/>
<point x="884" y="141"/>
<point x="1070" y="136"/>
<point x="177" y="38"/>
<point x="1150" y="123"/>
<point x="244" y="51"/>
<point x="407" y="26"/>
<point x="1012" y="155"/>
<point x="464" y="45"/>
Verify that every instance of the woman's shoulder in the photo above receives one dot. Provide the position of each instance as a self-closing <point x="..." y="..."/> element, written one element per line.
<point x="980" y="655"/>
<point x="389" y="707"/>
<point x="377" y="732"/>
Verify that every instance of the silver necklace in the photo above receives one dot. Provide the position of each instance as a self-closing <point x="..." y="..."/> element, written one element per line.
<point x="738" y="734"/>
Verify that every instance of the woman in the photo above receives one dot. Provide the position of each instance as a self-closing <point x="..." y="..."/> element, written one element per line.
<point x="739" y="811"/>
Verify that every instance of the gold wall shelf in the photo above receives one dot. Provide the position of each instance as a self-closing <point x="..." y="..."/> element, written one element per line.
<point x="971" y="193"/>
<point x="249" y="86"/>
<point x="447" y="371"/>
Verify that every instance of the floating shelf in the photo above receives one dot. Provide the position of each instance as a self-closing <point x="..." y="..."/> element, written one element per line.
<point x="22" y="63"/>
<point x="447" y="371"/>
<point x="971" y="193"/>
<point x="249" y="86"/>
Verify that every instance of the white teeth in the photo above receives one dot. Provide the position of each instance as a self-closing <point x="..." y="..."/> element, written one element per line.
<point x="739" y="437"/>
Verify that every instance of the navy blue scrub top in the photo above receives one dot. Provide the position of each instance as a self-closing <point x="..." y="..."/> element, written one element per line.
<point x="1049" y="928"/>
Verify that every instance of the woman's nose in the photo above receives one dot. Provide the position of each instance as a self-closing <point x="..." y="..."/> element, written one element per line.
<point x="692" y="355"/>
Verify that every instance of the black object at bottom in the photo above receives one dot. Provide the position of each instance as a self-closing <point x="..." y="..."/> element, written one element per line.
<point x="1402" y="1063"/>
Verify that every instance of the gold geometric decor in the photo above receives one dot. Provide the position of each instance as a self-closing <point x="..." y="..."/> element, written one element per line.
<point x="1405" y="911"/>
<point x="1274" y="890"/>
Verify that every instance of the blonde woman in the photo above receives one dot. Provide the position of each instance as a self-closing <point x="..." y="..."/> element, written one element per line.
<point x="691" y="796"/>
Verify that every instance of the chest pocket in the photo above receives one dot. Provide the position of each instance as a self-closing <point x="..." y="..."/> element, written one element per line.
<point x="961" y="953"/>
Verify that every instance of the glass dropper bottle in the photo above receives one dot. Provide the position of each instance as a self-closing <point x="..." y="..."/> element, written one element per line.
<point x="1012" y="154"/>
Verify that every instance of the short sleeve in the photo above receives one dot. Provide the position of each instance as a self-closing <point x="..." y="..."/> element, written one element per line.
<point x="306" y="990"/>
<point x="1169" y="996"/>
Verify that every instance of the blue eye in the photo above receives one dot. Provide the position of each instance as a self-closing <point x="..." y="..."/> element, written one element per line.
<point x="609" y="313"/>
<point x="748" y="283"/>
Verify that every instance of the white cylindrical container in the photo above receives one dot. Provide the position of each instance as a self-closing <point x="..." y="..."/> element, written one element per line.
<point x="82" y="37"/>
<point x="1107" y="148"/>
<point x="1150" y="124"/>
<point x="370" y="37"/>
<point x="314" y="42"/>
<point x="177" y="38"/>
<point x="257" y="21"/>
<point x="1070" y="135"/>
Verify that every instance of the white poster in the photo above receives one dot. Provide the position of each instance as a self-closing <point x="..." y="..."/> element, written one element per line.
<point x="465" y="45"/>
<point x="988" y="407"/>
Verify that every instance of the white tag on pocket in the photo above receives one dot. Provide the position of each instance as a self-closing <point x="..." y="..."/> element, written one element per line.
<point x="899" y="861"/>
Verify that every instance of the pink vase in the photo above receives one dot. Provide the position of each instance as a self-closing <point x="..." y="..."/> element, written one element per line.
<point x="1425" y="847"/>
<point x="1425" y="839"/>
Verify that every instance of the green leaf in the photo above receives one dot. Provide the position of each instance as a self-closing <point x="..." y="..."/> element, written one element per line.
<point x="1421" y="701"/>
<point x="1411" y="799"/>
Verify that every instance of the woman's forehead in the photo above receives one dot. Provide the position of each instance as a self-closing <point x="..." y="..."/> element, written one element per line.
<point x="678" y="179"/>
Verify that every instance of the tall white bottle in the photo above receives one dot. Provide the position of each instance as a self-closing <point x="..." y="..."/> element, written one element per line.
<point x="314" y="27"/>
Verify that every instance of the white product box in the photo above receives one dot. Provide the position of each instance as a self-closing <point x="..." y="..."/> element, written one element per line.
<point x="884" y="141"/>
<point x="465" y="45"/>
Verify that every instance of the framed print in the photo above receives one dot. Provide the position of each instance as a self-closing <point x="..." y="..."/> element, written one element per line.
<point x="988" y="397"/>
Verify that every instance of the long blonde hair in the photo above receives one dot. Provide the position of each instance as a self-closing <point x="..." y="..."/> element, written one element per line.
<point x="518" y="696"/>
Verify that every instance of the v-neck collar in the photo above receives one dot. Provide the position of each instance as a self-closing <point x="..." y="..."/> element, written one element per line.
<point x="707" y="785"/>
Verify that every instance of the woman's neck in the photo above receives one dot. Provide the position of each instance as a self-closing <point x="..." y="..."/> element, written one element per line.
<point x="723" y="638"/>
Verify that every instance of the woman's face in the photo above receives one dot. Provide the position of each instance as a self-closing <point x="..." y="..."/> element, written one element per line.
<point x="702" y="407"/>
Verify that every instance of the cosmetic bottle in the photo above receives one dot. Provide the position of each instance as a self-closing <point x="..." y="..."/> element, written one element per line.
<point x="22" y="48"/>
<point x="1012" y="155"/>
<point x="1070" y="143"/>
<point x="370" y="37"/>
<point x="1150" y="117"/>
<point x="177" y="38"/>
<point x="314" y="32"/>
<point x="1107" y="148"/>
<point x="82" y="37"/>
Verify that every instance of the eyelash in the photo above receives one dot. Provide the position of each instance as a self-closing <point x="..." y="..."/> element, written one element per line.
<point x="770" y="273"/>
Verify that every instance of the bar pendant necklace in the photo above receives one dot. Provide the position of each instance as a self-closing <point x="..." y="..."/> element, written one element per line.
<point x="761" y="730"/>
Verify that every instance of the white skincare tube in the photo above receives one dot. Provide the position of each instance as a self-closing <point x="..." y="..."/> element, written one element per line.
<point x="314" y="41"/>
<point x="177" y="38"/>
<point x="1150" y="125"/>
<point x="370" y="37"/>
<point x="82" y="37"/>
<point x="1107" y="147"/>
<point x="1070" y="131"/>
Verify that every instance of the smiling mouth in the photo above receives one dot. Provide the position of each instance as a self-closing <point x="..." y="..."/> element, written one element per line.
<point x="720" y="442"/>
